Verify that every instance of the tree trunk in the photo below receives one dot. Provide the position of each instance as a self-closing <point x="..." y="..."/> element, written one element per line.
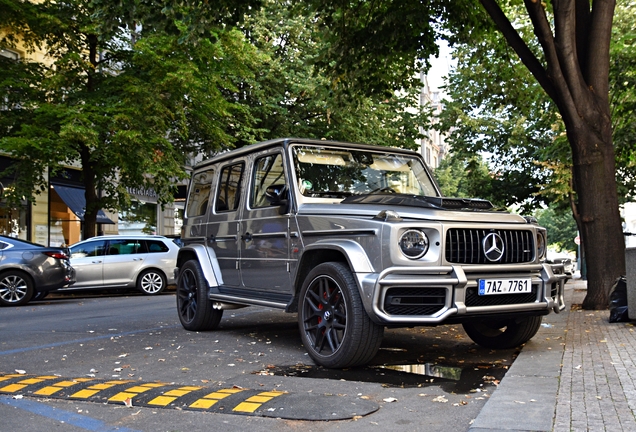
<point x="600" y="222"/>
<point x="90" y="194"/>
<point x="575" y="43"/>
<point x="90" y="217"/>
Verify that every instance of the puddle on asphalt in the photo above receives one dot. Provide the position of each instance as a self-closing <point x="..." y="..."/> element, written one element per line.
<point x="462" y="378"/>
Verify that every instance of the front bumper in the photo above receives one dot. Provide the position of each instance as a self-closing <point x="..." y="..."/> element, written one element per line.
<point x="428" y="296"/>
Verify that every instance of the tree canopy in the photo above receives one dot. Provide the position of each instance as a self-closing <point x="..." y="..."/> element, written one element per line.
<point x="292" y="94"/>
<point x="495" y="107"/>
<point x="132" y="89"/>
<point x="126" y="96"/>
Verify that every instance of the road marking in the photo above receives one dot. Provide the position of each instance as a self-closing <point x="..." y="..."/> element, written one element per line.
<point x="68" y="418"/>
<point x="234" y="400"/>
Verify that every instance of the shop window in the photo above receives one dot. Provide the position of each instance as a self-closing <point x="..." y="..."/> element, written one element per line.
<point x="178" y="219"/>
<point x="13" y="222"/>
<point x="65" y="227"/>
<point x="141" y="218"/>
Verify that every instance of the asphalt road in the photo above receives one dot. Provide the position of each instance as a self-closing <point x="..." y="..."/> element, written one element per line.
<point x="433" y="379"/>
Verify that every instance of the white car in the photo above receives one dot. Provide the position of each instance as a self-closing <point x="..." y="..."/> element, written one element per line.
<point x="133" y="261"/>
<point x="562" y="258"/>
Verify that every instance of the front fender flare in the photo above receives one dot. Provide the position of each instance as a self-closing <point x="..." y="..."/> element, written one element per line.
<point x="353" y="251"/>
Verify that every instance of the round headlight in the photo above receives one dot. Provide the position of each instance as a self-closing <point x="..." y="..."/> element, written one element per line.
<point x="541" y="245"/>
<point x="413" y="244"/>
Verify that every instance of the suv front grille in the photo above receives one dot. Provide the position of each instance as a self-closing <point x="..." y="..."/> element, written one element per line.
<point x="474" y="299"/>
<point x="465" y="246"/>
<point x="414" y="301"/>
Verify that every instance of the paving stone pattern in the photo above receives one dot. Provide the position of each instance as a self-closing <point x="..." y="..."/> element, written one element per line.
<point x="597" y="390"/>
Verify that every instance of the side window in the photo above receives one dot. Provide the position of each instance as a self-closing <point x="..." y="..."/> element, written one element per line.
<point x="229" y="191"/>
<point x="91" y="249"/>
<point x="155" y="246"/>
<point x="123" y="247"/>
<point x="199" y="193"/>
<point x="268" y="171"/>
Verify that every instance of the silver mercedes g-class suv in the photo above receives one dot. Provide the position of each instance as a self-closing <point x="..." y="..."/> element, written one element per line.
<point x="354" y="238"/>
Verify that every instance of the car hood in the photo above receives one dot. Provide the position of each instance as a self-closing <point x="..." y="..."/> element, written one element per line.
<point x="413" y="208"/>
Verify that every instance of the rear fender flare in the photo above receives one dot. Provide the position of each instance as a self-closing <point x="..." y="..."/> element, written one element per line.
<point x="207" y="258"/>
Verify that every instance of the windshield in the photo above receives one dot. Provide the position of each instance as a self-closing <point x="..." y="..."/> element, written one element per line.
<point x="334" y="172"/>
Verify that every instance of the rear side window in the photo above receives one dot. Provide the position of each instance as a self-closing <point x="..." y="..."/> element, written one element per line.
<point x="268" y="171"/>
<point x="124" y="247"/>
<point x="199" y="193"/>
<point x="229" y="190"/>
<point x="156" y="246"/>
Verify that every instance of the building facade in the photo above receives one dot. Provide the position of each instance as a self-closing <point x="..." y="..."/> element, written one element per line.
<point x="433" y="146"/>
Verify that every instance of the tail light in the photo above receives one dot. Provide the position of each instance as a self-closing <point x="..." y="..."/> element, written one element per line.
<point x="56" y="255"/>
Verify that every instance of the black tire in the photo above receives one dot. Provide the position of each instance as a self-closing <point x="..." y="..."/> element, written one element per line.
<point x="334" y="327"/>
<point x="195" y="310"/>
<point x="16" y="288"/>
<point x="151" y="282"/>
<point x="40" y="295"/>
<point x="503" y="334"/>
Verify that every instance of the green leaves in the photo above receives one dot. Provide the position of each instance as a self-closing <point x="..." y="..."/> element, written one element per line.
<point x="126" y="95"/>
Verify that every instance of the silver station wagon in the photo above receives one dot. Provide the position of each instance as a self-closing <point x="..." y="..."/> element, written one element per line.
<point x="144" y="262"/>
<point x="354" y="238"/>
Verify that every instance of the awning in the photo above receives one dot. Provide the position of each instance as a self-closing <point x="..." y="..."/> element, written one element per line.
<point x="75" y="200"/>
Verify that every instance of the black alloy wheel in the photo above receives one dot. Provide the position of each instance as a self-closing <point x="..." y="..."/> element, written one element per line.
<point x="195" y="310"/>
<point x="334" y="327"/>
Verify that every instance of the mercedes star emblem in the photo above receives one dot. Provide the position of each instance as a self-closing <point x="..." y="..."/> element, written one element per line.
<point x="493" y="247"/>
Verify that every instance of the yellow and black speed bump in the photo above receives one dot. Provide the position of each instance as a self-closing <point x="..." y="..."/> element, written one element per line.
<point x="234" y="400"/>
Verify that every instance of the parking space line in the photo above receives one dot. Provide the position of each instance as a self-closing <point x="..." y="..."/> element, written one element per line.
<point x="65" y="417"/>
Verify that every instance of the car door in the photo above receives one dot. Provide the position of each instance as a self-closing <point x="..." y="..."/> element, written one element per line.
<point x="264" y="239"/>
<point x="222" y="230"/>
<point x="87" y="258"/>
<point x="122" y="261"/>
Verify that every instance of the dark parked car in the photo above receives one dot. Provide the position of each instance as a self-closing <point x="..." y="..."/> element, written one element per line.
<point x="28" y="269"/>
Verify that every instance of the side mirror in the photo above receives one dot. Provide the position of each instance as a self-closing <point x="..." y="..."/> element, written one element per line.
<point x="277" y="195"/>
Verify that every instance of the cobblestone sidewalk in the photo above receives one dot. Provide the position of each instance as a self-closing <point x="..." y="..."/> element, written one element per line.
<point x="597" y="390"/>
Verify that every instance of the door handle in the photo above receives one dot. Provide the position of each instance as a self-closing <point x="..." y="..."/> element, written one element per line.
<point x="95" y="262"/>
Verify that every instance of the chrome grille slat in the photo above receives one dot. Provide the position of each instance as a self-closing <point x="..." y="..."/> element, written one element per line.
<point x="464" y="246"/>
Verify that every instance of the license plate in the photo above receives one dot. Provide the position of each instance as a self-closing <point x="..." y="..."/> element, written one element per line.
<point x="504" y="286"/>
